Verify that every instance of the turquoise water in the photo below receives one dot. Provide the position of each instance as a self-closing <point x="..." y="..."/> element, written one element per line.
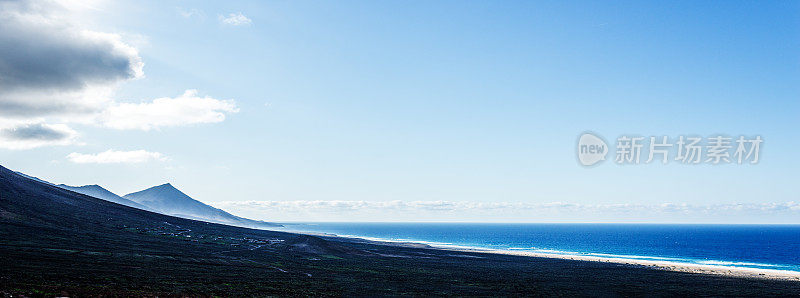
<point x="753" y="246"/>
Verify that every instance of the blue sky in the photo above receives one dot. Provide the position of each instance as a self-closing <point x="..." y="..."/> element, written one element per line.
<point x="363" y="103"/>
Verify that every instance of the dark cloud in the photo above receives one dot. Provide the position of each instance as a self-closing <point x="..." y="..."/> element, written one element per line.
<point x="43" y="55"/>
<point x="21" y="109"/>
<point x="37" y="131"/>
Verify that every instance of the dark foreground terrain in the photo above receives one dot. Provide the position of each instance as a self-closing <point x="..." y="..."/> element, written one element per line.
<point x="55" y="242"/>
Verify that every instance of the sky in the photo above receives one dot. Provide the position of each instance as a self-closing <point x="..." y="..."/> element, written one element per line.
<point x="406" y="110"/>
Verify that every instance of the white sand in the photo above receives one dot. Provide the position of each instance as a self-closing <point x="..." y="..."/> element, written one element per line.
<point x="733" y="271"/>
<point x="662" y="265"/>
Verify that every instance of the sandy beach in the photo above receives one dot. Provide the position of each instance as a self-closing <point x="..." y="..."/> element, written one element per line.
<point x="730" y="271"/>
<point x="663" y="265"/>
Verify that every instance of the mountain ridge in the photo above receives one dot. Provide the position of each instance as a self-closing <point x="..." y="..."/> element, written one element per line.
<point x="99" y="192"/>
<point x="167" y="199"/>
<point x="164" y="199"/>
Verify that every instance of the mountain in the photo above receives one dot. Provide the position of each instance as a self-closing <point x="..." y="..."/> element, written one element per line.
<point x="101" y="193"/>
<point x="164" y="199"/>
<point x="167" y="199"/>
<point x="91" y="190"/>
<point x="56" y="242"/>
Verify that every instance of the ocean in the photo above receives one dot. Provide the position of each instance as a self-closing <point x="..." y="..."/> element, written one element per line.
<point x="752" y="246"/>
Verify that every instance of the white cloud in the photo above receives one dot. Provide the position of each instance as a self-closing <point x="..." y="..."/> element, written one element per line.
<point x="186" y="109"/>
<point x="21" y="136"/>
<point x="112" y="156"/>
<point x="191" y="13"/>
<point x="55" y="70"/>
<point x="508" y="211"/>
<point x="235" y="19"/>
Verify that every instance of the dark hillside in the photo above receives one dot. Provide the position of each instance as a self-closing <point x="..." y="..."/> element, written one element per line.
<point x="57" y="242"/>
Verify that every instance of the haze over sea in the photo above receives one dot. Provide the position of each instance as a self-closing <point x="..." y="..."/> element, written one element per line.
<point x="753" y="246"/>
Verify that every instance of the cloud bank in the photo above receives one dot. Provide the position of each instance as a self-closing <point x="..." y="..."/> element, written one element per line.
<point x="111" y="156"/>
<point x="506" y="211"/>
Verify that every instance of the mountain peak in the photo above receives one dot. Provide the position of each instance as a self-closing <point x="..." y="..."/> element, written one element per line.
<point x="163" y="192"/>
<point x="166" y="188"/>
<point x="166" y="185"/>
<point x="167" y="199"/>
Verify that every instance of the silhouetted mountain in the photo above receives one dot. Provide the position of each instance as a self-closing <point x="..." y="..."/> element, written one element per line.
<point x="167" y="199"/>
<point x="54" y="236"/>
<point x="38" y="205"/>
<point x="101" y="193"/>
<point x="164" y="199"/>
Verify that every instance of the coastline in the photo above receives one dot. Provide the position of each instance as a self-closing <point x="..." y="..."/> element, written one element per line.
<point x="732" y="271"/>
<point x="728" y="271"/>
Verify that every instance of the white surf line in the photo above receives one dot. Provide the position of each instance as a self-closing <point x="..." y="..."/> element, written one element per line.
<point x="733" y="271"/>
